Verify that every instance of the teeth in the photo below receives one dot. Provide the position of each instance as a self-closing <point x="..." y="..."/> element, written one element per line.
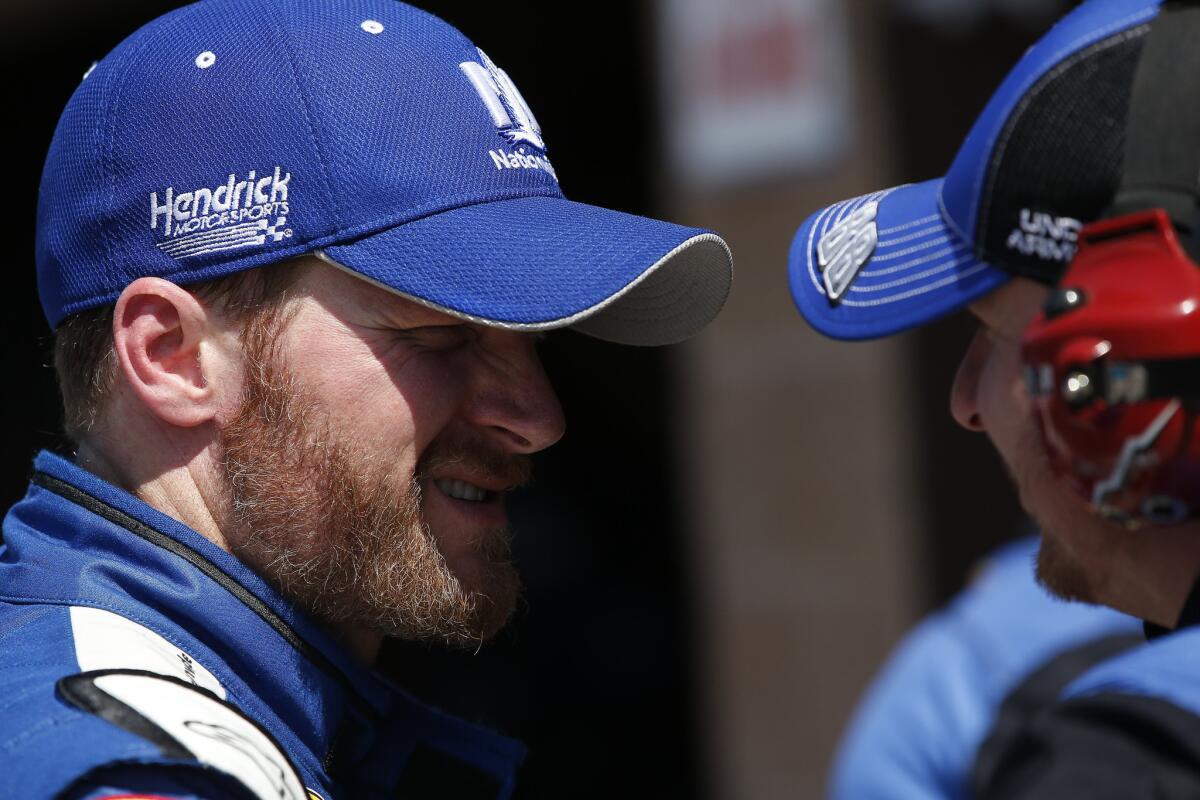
<point x="461" y="490"/>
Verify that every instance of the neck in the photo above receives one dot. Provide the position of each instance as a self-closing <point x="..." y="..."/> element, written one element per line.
<point x="179" y="492"/>
<point x="179" y="488"/>
<point x="1154" y="573"/>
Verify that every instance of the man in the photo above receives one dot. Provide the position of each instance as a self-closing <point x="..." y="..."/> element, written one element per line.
<point x="975" y="670"/>
<point x="295" y="254"/>
<point x="1044" y="157"/>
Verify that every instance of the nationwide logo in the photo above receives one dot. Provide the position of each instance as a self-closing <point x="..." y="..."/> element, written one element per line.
<point x="511" y="115"/>
<point x="237" y="214"/>
<point x="520" y="160"/>
<point x="1046" y="236"/>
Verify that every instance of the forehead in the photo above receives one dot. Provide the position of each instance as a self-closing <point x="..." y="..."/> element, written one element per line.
<point x="1011" y="307"/>
<point x="342" y="292"/>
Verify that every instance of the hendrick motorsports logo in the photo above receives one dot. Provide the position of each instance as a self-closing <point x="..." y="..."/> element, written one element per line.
<point x="235" y="215"/>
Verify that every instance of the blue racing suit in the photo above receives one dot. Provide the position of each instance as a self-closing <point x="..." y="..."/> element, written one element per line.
<point x="137" y="659"/>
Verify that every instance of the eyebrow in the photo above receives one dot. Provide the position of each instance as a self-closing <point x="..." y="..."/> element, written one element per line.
<point x="398" y="309"/>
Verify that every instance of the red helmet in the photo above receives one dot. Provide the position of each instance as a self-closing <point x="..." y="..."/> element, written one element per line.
<point x="1113" y="366"/>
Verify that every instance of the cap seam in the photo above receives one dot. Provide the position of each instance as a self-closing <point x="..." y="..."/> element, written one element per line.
<point x="112" y="92"/>
<point x="1027" y="100"/>
<point x="119" y="81"/>
<point x="107" y="175"/>
<point x="309" y="118"/>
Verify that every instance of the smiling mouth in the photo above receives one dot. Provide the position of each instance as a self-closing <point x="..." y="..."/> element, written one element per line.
<point x="462" y="490"/>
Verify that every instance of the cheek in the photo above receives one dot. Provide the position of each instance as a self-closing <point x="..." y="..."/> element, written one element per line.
<point x="1004" y="403"/>
<point x="379" y="404"/>
<point x="429" y="389"/>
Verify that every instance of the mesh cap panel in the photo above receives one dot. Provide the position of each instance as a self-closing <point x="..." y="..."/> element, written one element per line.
<point x="1059" y="160"/>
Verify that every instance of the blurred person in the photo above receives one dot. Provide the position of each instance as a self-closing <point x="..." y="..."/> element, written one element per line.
<point x="978" y="669"/>
<point x="1047" y="156"/>
<point x="296" y="256"/>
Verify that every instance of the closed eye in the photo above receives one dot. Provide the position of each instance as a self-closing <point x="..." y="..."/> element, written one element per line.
<point x="440" y="337"/>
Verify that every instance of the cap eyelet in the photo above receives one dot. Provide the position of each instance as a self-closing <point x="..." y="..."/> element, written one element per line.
<point x="206" y="59"/>
<point x="373" y="27"/>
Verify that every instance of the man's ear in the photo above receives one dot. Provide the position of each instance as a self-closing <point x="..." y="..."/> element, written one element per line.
<point x="158" y="329"/>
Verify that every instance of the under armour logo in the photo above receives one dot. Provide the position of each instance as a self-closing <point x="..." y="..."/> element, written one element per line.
<point x="508" y="109"/>
<point x="844" y="250"/>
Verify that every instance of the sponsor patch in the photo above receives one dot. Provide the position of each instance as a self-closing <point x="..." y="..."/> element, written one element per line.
<point x="512" y="117"/>
<point x="238" y="213"/>
<point x="1045" y="236"/>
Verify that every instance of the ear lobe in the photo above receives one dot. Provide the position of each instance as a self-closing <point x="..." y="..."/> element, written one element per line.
<point x="158" y="329"/>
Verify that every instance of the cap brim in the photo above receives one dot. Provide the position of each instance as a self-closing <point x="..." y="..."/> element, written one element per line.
<point x="920" y="268"/>
<point x="541" y="263"/>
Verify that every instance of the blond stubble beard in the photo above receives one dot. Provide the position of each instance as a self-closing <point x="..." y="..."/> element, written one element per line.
<point x="342" y="534"/>
<point x="1058" y="570"/>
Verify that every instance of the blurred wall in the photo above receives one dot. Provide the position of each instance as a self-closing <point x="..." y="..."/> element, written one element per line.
<point x="831" y="498"/>
<point x="801" y="500"/>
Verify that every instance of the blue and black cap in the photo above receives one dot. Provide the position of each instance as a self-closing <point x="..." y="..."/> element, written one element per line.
<point x="1042" y="159"/>
<point x="231" y="134"/>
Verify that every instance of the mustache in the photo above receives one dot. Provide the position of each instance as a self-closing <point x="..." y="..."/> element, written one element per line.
<point x="479" y="458"/>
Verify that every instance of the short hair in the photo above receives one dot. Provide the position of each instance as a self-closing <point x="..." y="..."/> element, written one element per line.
<point x="86" y="360"/>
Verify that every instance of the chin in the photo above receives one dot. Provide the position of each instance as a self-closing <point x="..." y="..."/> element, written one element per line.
<point x="1071" y="544"/>
<point x="495" y="605"/>
<point x="493" y="586"/>
<point x="1061" y="574"/>
<point x="1067" y="524"/>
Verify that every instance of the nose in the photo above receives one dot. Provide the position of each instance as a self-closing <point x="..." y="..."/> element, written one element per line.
<point x="516" y="404"/>
<point x="964" y="394"/>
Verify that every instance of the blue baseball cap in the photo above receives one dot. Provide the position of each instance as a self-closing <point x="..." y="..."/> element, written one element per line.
<point x="1042" y="159"/>
<point x="231" y="134"/>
